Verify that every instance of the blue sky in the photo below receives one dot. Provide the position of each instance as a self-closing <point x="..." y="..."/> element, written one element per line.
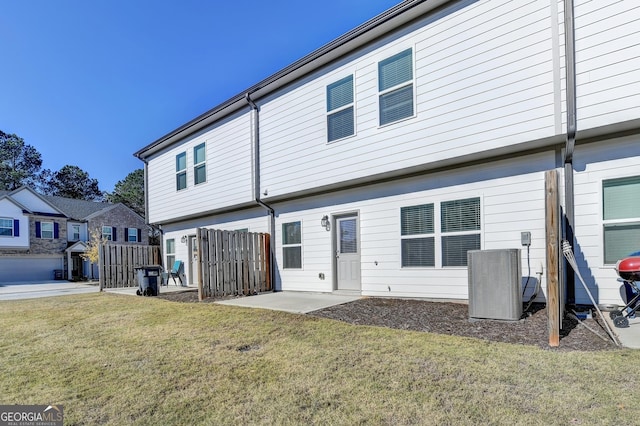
<point x="88" y="83"/>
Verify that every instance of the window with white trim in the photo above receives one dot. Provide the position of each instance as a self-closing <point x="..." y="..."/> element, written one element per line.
<point x="395" y="87"/>
<point x="460" y="227"/>
<point x="340" y="109"/>
<point x="181" y="171"/>
<point x="620" y="218"/>
<point x="199" y="164"/>
<point x="132" y="235"/>
<point x="75" y="233"/>
<point x="170" y="253"/>
<point x="292" y="245"/>
<point x="46" y="230"/>
<point x="6" y="227"/>
<point x="417" y="235"/>
<point x="107" y="233"/>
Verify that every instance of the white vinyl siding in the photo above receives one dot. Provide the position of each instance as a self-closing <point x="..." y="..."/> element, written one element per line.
<point x="483" y="78"/>
<point x="607" y="62"/>
<point x="292" y="245"/>
<point x="199" y="164"/>
<point x="340" y="109"/>
<point x="395" y="84"/>
<point x="621" y="218"/>
<point x="228" y="172"/>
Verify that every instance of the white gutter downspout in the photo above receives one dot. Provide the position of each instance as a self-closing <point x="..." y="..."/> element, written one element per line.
<point x="569" y="213"/>
<point x="255" y="120"/>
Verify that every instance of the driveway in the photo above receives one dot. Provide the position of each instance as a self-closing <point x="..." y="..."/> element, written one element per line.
<point x="32" y="290"/>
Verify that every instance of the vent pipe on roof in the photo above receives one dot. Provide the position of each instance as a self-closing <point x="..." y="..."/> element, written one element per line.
<point x="255" y="136"/>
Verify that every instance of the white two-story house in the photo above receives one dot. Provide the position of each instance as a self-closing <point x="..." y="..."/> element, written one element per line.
<point x="377" y="161"/>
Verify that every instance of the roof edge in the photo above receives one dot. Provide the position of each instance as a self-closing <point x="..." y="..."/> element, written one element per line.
<point x="384" y="23"/>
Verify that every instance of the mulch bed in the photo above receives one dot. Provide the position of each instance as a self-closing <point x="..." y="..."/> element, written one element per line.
<point x="453" y="319"/>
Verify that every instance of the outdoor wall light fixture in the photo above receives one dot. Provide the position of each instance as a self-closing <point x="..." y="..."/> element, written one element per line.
<point x="325" y="222"/>
<point x="184" y="239"/>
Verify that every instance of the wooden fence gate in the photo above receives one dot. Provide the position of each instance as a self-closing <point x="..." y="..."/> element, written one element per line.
<point x="117" y="263"/>
<point x="232" y="263"/>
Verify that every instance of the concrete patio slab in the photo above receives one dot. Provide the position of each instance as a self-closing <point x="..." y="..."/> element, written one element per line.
<point x="291" y="301"/>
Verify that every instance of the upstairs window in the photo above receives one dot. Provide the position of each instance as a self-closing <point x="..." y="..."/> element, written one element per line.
<point x="621" y="218"/>
<point x="134" y="235"/>
<point x="395" y="86"/>
<point x="417" y="236"/>
<point x="340" y="109"/>
<point x="109" y="233"/>
<point x="460" y="226"/>
<point x="46" y="230"/>
<point x="75" y="233"/>
<point x="292" y="245"/>
<point x="199" y="165"/>
<point x="181" y="171"/>
<point x="6" y="227"/>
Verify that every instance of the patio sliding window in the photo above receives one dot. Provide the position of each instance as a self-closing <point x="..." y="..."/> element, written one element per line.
<point x="417" y="236"/>
<point x="199" y="164"/>
<point x="460" y="227"/>
<point x="292" y="245"/>
<point x="395" y="87"/>
<point x="340" y="109"/>
<point x="181" y="171"/>
<point x="620" y="218"/>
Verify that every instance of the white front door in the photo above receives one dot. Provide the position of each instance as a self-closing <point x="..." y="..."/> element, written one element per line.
<point x="347" y="252"/>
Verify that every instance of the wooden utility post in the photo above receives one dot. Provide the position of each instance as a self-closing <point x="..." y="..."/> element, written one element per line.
<point x="552" y="215"/>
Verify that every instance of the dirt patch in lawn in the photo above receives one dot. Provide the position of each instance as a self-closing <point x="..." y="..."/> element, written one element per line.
<point x="453" y="319"/>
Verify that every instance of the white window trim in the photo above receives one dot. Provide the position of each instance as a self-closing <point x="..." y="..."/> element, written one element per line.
<point x="602" y="221"/>
<point x="334" y="111"/>
<point x="135" y="235"/>
<point x="301" y="244"/>
<point x="202" y="163"/>
<point x="9" y="219"/>
<point x="398" y="86"/>
<point x="42" y="231"/>
<point x="437" y="228"/>
<point x="181" y="171"/>
<point x="110" y="233"/>
<point x="73" y="233"/>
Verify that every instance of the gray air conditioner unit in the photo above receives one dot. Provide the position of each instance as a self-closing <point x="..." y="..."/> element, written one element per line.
<point x="495" y="291"/>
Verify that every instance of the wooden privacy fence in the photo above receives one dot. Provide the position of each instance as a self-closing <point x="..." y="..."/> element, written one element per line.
<point x="117" y="263"/>
<point x="232" y="263"/>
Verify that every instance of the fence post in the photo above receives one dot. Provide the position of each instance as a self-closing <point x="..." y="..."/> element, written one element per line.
<point x="552" y="239"/>
<point x="101" y="266"/>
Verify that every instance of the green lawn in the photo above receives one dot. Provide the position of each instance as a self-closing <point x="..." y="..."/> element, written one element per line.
<point x="114" y="359"/>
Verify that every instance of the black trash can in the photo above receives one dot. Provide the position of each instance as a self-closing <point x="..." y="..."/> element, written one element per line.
<point x="57" y="274"/>
<point x="148" y="280"/>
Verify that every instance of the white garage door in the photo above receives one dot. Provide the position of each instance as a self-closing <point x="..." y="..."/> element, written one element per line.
<point x="17" y="269"/>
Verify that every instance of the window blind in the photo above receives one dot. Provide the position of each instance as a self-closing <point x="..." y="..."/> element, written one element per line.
<point x="418" y="252"/>
<point x="621" y="198"/>
<point x="340" y="124"/>
<point x="340" y="93"/>
<point x="395" y="70"/>
<point x="460" y="215"/>
<point x="416" y="220"/>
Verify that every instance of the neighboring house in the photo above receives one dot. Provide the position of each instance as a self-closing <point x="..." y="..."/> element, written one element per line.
<point x="379" y="160"/>
<point x="49" y="234"/>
